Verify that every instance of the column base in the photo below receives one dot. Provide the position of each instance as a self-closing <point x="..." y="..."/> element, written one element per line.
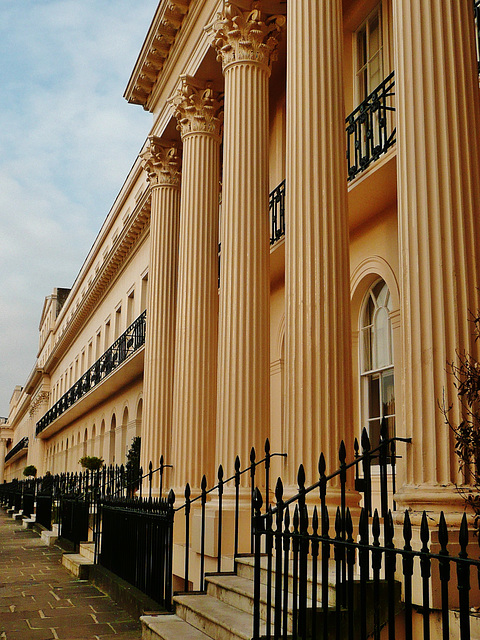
<point x="433" y="499"/>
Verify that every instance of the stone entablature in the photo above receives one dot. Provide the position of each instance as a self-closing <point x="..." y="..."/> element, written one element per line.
<point x="155" y="50"/>
<point x="132" y="233"/>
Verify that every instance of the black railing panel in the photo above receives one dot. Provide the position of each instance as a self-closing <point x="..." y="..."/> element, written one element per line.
<point x="129" y="342"/>
<point x="370" y="128"/>
<point x="28" y="502"/>
<point x="21" y="444"/>
<point x="44" y="510"/>
<point x="299" y="551"/>
<point x="276" y="206"/>
<point x="217" y="491"/>
<point x="74" y="518"/>
<point x="137" y="544"/>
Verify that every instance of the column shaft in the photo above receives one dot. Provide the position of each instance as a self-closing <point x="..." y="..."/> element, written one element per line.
<point x="243" y="373"/>
<point x="3" y="452"/>
<point x="318" y="343"/>
<point x="197" y="313"/>
<point x="439" y="226"/>
<point x="161" y="314"/>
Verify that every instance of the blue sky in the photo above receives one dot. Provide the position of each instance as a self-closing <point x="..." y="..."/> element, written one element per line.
<point x="67" y="141"/>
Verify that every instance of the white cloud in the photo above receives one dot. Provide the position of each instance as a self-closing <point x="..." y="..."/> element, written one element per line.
<point x="67" y="141"/>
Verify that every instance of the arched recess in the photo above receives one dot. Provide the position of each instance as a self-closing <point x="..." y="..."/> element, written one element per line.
<point x="93" y="444"/>
<point x="363" y="277"/>
<point x="123" y="437"/>
<point x="113" y="426"/>
<point x="102" y="440"/>
<point x="85" y="441"/>
<point x="66" y="456"/>
<point x="138" y="419"/>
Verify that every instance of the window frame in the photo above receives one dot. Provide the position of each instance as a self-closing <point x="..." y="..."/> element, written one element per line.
<point x="380" y="373"/>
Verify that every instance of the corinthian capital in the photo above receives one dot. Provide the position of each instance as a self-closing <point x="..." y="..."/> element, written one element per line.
<point x="198" y="108"/>
<point x="250" y="35"/>
<point x="161" y="161"/>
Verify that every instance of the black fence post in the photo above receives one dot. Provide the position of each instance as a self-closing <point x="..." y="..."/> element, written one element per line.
<point x="257" y="526"/>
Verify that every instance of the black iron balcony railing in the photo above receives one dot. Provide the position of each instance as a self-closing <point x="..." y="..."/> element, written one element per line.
<point x="276" y="206"/>
<point x="371" y="128"/>
<point x="129" y="342"/>
<point x="21" y="444"/>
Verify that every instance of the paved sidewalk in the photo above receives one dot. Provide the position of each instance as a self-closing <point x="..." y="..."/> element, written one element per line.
<point x="40" y="600"/>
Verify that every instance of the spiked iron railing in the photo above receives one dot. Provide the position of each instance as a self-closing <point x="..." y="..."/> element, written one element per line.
<point x="297" y="547"/>
<point x="276" y="207"/>
<point x="21" y="444"/>
<point x="218" y="489"/>
<point x="370" y="128"/>
<point x="127" y="344"/>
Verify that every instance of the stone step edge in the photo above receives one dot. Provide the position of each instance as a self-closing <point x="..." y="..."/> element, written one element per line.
<point x="216" y="580"/>
<point x="247" y="561"/>
<point x="217" y="620"/>
<point x="77" y="565"/>
<point x="169" y="627"/>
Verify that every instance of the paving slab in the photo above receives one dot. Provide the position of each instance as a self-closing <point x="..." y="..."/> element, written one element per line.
<point x="40" y="600"/>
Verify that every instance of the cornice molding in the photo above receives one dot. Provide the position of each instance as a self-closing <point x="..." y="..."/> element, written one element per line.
<point x="41" y="397"/>
<point x="198" y="108"/>
<point x="155" y="50"/>
<point x="129" y="237"/>
<point x="161" y="161"/>
<point x="250" y="35"/>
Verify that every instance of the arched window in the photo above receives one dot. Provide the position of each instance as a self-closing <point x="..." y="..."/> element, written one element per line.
<point x="376" y="362"/>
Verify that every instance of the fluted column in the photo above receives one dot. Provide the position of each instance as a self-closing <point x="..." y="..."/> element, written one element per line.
<point x="246" y="42"/>
<point x="199" y="115"/>
<point x="318" y="343"/>
<point x="3" y="453"/>
<point x="438" y="147"/>
<point x="162" y="164"/>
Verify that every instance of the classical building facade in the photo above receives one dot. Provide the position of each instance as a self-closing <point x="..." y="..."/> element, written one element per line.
<point x="294" y="254"/>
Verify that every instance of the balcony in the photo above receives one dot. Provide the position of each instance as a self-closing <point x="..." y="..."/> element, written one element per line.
<point x="119" y="352"/>
<point x="17" y="449"/>
<point x="276" y="206"/>
<point x="371" y="130"/>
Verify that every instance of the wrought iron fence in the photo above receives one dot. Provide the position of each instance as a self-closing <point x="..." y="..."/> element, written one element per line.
<point x="74" y="518"/>
<point x="370" y="128"/>
<point x="217" y="491"/>
<point x="28" y="497"/>
<point x="44" y="509"/>
<point x="346" y="580"/>
<point x="137" y="543"/>
<point x="131" y="340"/>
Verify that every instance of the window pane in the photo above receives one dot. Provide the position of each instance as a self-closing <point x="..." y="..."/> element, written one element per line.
<point x="367" y="349"/>
<point x="369" y="312"/>
<point x="361" y="48"/>
<point x="374" y="433"/>
<point x="375" y="40"/>
<point x="382" y="331"/>
<point x="375" y="72"/>
<point x="374" y="396"/>
<point x="388" y="394"/>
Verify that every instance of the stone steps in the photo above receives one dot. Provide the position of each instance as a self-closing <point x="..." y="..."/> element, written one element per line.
<point x="224" y="612"/>
<point x="79" y="563"/>
<point x="245" y="568"/>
